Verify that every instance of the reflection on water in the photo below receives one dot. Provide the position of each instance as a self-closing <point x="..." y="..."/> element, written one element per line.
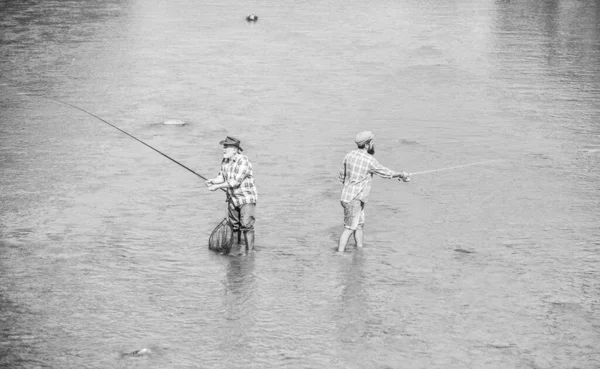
<point x="239" y="297"/>
<point x="103" y="242"/>
<point x="353" y="310"/>
<point x="548" y="50"/>
<point x="240" y="288"/>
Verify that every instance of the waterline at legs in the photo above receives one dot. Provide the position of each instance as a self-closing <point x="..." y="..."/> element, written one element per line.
<point x="359" y="236"/>
<point x="249" y="238"/>
<point x="345" y="236"/>
<point x="346" y="233"/>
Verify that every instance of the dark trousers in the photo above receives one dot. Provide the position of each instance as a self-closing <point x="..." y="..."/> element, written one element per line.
<point x="241" y="217"/>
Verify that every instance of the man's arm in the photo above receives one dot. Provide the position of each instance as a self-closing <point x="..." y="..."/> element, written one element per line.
<point x="384" y="172"/>
<point x="216" y="183"/>
<point x="402" y="175"/>
<point x="218" y="179"/>
<point x="342" y="174"/>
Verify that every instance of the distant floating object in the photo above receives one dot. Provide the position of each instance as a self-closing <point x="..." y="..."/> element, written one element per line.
<point x="174" y="122"/>
<point x="252" y="18"/>
<point x="464" y="251"/>
<point x="142" y="352"/>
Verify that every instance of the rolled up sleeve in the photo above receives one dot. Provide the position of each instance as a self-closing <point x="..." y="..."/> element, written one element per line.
<point x="380" y="170"/>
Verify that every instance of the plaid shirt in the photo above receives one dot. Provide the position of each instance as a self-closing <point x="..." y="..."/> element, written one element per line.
<point x="357" y="174"/>
<point x="237" y="172"/>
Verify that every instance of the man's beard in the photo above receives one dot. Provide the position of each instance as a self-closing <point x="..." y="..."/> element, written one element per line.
<point x="371" y="149"/>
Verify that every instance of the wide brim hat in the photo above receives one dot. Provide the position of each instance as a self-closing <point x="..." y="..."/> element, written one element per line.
<point x="363" y="137"/>
<point x="231" y="141"/>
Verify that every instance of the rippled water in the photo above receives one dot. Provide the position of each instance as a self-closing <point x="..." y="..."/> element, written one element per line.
<point x="103" y="241"/>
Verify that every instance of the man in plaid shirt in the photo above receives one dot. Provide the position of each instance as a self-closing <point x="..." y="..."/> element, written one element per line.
<point x="357" y="174"/>
<point x="237" y="178"/>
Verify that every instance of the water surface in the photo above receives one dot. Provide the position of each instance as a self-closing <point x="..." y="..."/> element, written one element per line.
<point x="103" y="241"/>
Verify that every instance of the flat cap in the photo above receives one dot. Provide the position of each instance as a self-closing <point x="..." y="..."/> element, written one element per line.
<point x="363" y="137"/>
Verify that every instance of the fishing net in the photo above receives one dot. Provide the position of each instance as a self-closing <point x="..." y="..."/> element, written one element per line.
<point x="221" y="239"/>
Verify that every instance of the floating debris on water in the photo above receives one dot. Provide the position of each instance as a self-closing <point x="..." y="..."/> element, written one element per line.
<point x="174" y="122"/>
<point x="502" y="345"/>
<point x="141" y="352"/>
<point x="464" y="251"/>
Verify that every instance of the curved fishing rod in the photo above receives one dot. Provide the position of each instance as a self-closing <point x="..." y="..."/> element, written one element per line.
<point x="140" y="141"/>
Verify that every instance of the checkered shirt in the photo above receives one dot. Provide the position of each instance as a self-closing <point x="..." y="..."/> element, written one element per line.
<point x="357" y="174"/>
<point x="237" y="172"/>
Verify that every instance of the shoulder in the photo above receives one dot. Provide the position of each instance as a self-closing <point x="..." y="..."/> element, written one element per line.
<point x="373" y="161"/>
<point x="366" y="158"/>
<point x="242" y="160"/>
<point x="363" y="155"/>
<point x="352" y="154"/>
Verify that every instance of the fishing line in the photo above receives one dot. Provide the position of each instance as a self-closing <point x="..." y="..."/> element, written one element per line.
<point x="454" y="167"/>
<point x="112" y="125"/>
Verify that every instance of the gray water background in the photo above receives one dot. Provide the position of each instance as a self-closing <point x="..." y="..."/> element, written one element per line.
<point x="103" y="241"/>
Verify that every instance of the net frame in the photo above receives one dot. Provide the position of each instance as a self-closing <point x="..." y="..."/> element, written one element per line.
<point x="221" y="239"/>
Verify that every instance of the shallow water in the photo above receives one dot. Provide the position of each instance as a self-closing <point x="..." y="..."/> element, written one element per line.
<point x="103" y="241"/>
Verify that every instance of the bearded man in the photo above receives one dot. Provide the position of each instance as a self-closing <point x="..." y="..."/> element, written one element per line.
<point x="356" y="175"/>
<point x="237" y="179"/>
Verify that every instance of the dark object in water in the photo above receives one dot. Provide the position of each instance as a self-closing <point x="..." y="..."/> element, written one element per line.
<point x="464" y="251"/>
<point x="221" y="239"/>
<point x="141" y="352"/>
<point x="252" y="18"/>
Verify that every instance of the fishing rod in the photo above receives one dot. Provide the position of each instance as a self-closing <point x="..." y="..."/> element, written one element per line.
<point x="454" y="167"/>
<point x="140" y="141"/>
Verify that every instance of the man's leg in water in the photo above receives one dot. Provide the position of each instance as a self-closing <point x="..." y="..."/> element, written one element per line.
<point x="351" y="219"/>
<point x="247" y="219"/>
<point x="234" y="219"/>
<point x="359" y="235"/>
<point x="346" y="233"/>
